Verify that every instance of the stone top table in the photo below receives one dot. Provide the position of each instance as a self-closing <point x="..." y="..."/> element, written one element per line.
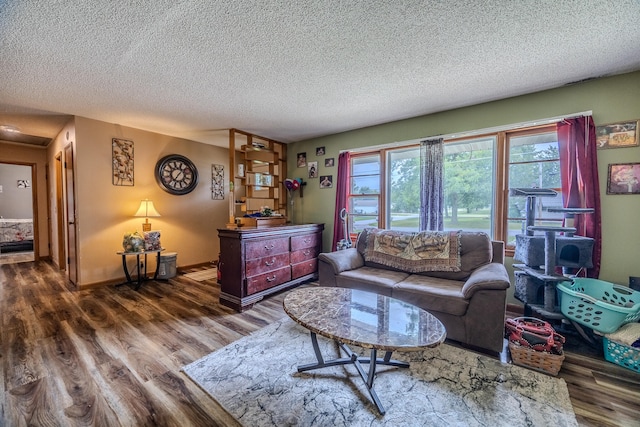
<point x="364" y="319"/>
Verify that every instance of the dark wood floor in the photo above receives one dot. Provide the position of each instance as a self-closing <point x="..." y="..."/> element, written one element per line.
<point x="112" y="356"/>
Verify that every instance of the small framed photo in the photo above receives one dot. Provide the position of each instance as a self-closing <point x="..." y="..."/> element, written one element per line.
<point x="326" y="181"/>
<point x="313" y="169"/>
<point x="618" y="135"/>
<point x="320" y="151"/>
<point x="329" y="162"/>
<point x="302" y="160"/>
<point x="623" y="178"/>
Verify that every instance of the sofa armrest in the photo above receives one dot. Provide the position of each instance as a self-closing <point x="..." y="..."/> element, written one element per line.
<point x="348" y="259"/>
<point x="490" y="276"/>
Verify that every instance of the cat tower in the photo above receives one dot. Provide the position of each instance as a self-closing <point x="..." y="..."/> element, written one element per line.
<point x="535" y="283"/>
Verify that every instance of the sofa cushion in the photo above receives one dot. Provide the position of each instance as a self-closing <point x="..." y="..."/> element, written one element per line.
<point x="431" y="293"/>
<point x="370" y="278"/>
<point x="475" y="251"/>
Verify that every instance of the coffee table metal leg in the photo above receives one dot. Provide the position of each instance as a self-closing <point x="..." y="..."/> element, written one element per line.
<point x="321" y="362"/>
<point x="353" y="358"/>
<point x="316" y="349"/>
<point x="368" y="379"/>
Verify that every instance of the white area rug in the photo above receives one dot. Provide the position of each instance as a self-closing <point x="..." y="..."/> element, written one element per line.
<point x="256" y="380"/>
<point x="199" y="276"/>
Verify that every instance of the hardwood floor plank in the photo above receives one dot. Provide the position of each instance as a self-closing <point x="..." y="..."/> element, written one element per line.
<point x="22" y="363"/>
<point x="182" y="401"/>
<point x="135" y="349"/>
<point x="33" y="404"/>
<point x="86" y="405"/>
<point x="129" y="397"/>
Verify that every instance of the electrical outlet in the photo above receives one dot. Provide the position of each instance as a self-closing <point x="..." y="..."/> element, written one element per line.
<point x="634" y="282"/>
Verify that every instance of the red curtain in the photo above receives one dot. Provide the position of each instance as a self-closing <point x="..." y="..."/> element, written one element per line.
<point x="579" y="175"/>
<point x="342" y="190"/>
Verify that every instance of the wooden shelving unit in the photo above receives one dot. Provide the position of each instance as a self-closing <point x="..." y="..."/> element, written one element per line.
<point x="258" y="165"/>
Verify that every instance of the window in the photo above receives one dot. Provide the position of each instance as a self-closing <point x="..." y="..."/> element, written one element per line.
<point x="403" y="189"/>
<point x="469" y="184"/>
<point x="534" y="162"/>
<point x="364" y="192"/>
<point x="478" y="173"/>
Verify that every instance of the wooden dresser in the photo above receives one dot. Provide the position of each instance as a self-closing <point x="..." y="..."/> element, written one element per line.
<point x="256" y="262"/>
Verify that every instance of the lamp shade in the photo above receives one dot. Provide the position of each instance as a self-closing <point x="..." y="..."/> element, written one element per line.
<point x="146" y="209"/>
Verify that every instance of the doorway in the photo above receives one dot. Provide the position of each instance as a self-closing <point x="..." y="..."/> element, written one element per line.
<point x="18" y="213"/>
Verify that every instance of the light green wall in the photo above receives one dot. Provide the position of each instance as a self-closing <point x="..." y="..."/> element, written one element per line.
<point x="611" y="99"/>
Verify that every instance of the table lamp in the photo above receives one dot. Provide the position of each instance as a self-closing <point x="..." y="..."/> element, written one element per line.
<point x="146" y="210"/>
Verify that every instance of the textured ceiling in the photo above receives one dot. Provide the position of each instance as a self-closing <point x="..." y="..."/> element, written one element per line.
<point x="291" y="70"/>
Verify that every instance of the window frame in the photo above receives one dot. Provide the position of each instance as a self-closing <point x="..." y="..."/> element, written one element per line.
<point x="501" y="178"/>
<point x="381" y="195"/>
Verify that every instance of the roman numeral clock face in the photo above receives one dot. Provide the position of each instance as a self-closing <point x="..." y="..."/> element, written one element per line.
<point x="176" y="174"/>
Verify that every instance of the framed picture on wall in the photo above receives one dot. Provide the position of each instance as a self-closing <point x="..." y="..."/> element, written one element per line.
<point x="217" y="182"/>
<point x="302" y="160"/>
<point x="122" y="162"/>
<point x="313" y="169"/>
<point x="623" y="178"/>
<point x="326" y="181"/>
<point x="618" y="135"/>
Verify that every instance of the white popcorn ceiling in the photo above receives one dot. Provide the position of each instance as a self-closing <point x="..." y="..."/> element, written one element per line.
<point x="292" y="70"/>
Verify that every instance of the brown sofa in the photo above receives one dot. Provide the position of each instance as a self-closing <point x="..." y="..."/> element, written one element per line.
<point x="470" y="302"/>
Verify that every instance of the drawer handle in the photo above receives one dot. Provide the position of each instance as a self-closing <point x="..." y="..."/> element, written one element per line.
<point x="269" y="247"/>
<point x="269" y="264"/>
<point x="307" y="240"/>
<point x="271" y="279"/>
<point x="307" y="252"/>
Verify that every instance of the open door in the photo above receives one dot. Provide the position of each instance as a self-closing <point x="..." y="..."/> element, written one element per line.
<point x="71" y="214"/>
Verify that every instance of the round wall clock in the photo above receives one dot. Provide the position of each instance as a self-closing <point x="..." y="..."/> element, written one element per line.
<point x="176" y="174"/>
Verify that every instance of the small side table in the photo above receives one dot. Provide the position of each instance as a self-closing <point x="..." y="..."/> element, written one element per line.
<point x="140" y="277"/>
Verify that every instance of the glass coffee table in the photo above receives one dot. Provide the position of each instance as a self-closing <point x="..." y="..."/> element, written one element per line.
<point x="363" y="319"/>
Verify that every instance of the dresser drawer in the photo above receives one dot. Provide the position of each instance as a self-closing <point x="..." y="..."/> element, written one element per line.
<point x="262" y="265"/>
<point x="304" y="268"/>
<point x="268" y="280"/>
<point x="304" y="254"/>
<point x="305" y="241"/>
<point x="263" y="248"/>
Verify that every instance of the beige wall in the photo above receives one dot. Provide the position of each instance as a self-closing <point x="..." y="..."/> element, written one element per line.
<point x="611" y="99"/>
<point x="188" y="223"/>
<point x="37" y="158"/>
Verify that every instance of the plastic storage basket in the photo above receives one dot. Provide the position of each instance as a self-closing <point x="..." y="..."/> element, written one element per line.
<point x="599" y="305"/>
<point x="621" y="354"/>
